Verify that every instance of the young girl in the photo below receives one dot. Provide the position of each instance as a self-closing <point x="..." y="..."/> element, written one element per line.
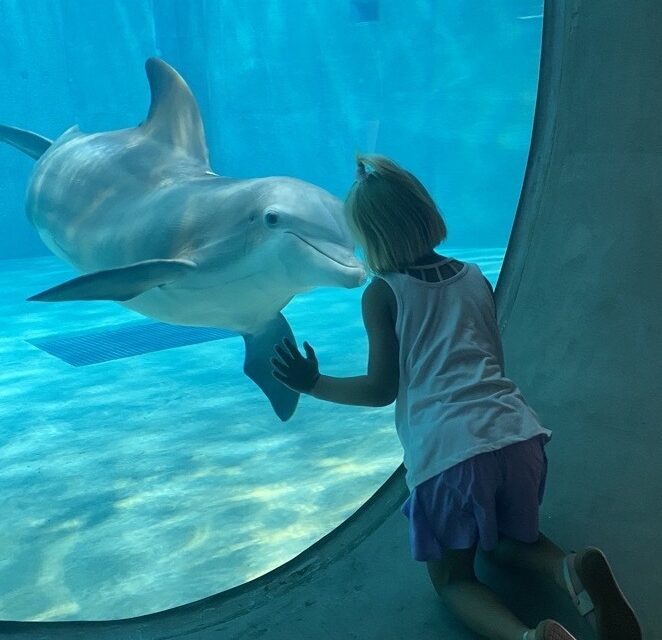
<point x="473" y="449"/>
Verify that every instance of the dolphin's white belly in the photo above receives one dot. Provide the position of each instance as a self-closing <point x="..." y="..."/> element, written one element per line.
<point x="231" y="306"/>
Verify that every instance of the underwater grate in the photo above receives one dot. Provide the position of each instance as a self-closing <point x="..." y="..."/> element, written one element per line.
<point x="124" y="341"/>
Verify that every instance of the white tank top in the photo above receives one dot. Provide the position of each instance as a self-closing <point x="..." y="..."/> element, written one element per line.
<point x="454" y="400"/>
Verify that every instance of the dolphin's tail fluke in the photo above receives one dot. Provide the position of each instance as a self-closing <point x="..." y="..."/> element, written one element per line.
<point x="26" y="141"/>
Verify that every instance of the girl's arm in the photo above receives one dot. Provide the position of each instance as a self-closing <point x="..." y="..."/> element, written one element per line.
<point x="379" y="386"/>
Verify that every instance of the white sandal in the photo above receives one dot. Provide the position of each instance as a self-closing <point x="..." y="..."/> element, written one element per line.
<point x="597" y="596"/>
<point x="580" y="597"/>
<point x="549" y="630"/>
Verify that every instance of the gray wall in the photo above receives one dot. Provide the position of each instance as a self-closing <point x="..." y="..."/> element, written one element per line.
<point x="580" y="295"/>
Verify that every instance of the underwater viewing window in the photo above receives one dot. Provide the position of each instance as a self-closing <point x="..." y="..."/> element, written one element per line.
<point x="141" y="468"/>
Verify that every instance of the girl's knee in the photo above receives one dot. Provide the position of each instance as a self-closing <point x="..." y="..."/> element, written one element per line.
<point x="457" y="565"/>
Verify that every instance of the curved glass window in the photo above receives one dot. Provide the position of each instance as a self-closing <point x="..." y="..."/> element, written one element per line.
<point x="140" y="468"/>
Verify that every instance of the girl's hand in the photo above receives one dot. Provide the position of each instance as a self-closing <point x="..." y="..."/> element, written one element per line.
<point x="292" y="369"/>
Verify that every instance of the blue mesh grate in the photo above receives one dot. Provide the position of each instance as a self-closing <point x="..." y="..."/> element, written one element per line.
<point x="124" y="341"/>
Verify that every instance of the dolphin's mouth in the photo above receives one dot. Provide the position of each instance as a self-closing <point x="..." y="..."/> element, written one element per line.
<point x="354" y="265"/>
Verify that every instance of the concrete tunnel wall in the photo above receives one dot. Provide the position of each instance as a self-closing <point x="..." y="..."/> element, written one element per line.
<point x="579" y="305"/>
<point x="580" y="295"/>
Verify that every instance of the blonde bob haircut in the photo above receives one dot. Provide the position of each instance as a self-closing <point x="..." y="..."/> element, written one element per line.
<point x="391" y="215"/>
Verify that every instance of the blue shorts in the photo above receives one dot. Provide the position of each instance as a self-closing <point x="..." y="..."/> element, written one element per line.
<point x="493" y="493"/>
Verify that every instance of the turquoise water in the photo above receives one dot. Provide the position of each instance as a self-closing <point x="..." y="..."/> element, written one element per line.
<point x="141" y="483"/>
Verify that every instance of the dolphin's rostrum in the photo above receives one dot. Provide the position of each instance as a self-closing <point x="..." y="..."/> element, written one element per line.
<point x="140" y="213"/>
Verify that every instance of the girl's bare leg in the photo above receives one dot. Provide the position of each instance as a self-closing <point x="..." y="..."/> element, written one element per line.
<point x="543" y="557"/>
<point x="609" y="612"/>
<point x="474" y="603"/>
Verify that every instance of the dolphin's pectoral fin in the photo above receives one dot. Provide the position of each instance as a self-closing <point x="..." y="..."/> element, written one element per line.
<point x="118" y="284"/>
<point x="257" y="366"/>
<point x="26" y="141"/>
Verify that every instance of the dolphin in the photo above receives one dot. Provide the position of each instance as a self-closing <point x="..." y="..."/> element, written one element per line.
<point x="142" y="216"/>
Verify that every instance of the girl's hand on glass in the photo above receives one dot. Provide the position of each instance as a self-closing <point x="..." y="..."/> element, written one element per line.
<point x="292" y="369"/>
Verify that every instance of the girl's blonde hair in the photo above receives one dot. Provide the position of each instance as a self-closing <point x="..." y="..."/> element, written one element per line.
<point x="391" y="215"/>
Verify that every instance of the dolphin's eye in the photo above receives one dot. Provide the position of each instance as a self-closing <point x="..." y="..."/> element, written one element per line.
<point x="271" y="218"/>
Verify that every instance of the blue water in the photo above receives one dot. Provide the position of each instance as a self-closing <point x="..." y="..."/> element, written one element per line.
<point x="143" y="482"/>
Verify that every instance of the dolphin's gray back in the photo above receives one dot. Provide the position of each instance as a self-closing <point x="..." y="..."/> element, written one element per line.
<point x="95" y="198"/>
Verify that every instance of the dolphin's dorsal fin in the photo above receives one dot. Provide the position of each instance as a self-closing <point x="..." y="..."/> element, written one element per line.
<point x="174" y="117"/>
